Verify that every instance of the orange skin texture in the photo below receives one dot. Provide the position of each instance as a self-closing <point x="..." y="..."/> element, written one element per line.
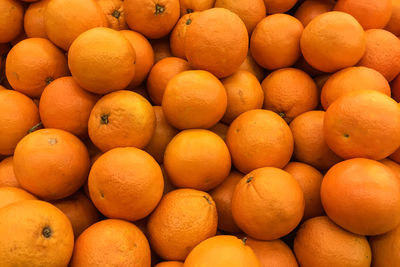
<point x="220" y="129"/>
<point x="169" y="264"/>
<point x="309" y="142"/>
<point x="64" y="20"/>
<point x="189" y="165"/>
<point x="32" y="64"/>
<point x="7" y="175"/>
<point x="352" y="79"/>
<point x="34" y="233"/>
<point x="161" y="49"/>
<point x="107" y="66"/>
<point x="222" y="196"/>
<point x="161" y="73"/>
<point x="217" y="41"/>
<point x="259" y="138"/>
<point x="18" y="115"/>
<point x="221" y="251"/>
<point x="244" y="93"/>
<point x="194" y="99"/>
<point x="183" y="219"/>
<point x="274" y="215"/>
<point x="251" y="12"/>
<point x="382" y="53"/>
<point x="279" y="6"/>
<point x="384" y="248"/>
<point x="370" y="13"/>
<point x="144" y="56"/>
<point x="153" y="19"/>
<point x="163" y="134"/>
<point x="190" y="6"/>
<point x="332" y="41"/>
<point x="117" y="186"/>
<point x="320" y="242"/>
<point x="394" y="22"/>
<point x="111" y="243"/>
<point x="362" y="196"/>
<point x="395" y="167"/>
<point x="11" y="21"/>
<point x="395" y="87"/>
<point x="9" y="195"/>
<point x="351" y="132"/>
<point x="114" y="12"/>
<point x="178" y="35"/>
<point x="34" y="19"/>
<point x="289" y="92"/>
<point x="273" y="48"/>
<point x="79" y="210"/>
<point x="310" y="9"/>
<point x="121" y="119"/>
<point x="272" y="253"/>
<point x="65" y="105"/>
<point x="310" y="180"/>
<point x="55" y="154"/>
<point x="250" y="65"/>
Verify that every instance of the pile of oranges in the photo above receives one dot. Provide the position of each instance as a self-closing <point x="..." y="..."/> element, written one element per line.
<point x="199" y="133"/>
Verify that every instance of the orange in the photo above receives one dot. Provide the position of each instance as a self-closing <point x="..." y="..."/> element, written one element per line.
<point x="279" y="6"/>
<point x="169" y="264"/>
<point x="352" y="79"/>
<point x="188" y="164"/>
<point x="310" y="180"/>
<point x="259" y="138"/>
<point x="153" y="19"/>
<point x="373" y="191"/>
<point x="7" y="175"/>
<point x="11" y="21"/>
<point x="126" y="183"/>
<point x="277" y="212"/>
<point x="303" y="65"/>
<point x="122" y="118"/>
<point x="370" y="13"/>
<point x="272" y="253"/>
<point x="190" y="6"/>
<point x="289" y="92"/>
<point x="395" y="86"/>
<point x="352" y="132"/>
<point x="9" y="195"/>
<point x="51" y="163"/>
<point x="393" y="24"/>
<point x="183" y="219"/>
<point x="320" y="242"/>
<point x="309" y="9"/>
<point x="163" y="134"/>
<point x="244" y="93"/>
<point x="208" y="38"/>
<point x="251" y="12"/>
<point x="18" y="115"/>
<point x="102" y="60"/>
<point x="111" y="243"/>
<point x="320" y="81"/>
<point x="161" y="73"/>
<point x="396" y="155"/>
<point x="220" y="129"/>
<point x="222" y="196"/>
<point x="34" y="19"/>
<point x="250" y="65"/>
<point x="178" y="35"/>
<point x="194" y="99"/>
<point x="144" y="56"/>
<point x="384" y="248"/>
<point x="395" y="167"/>
<point x="79" y="210"/>
<point x="34" y="233"/>
<point x="332" y="41"/>
<point x="161" y="49"/>
<point x="221" y="251"/>
<point x="114" y="12"/>
<point x="274" y="48"/>
<point x="309" y="142"/>
<point x="382" y="53"/>
<point x="34" y="63"/>
<point x="65" y="105"/>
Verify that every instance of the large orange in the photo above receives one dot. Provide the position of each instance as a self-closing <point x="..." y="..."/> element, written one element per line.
<point x="309" y="9"/>
<point x="18" y="114"/>
<point x="352" y="132"/>
<point x="373" y="191"/>
<point x="208" y="38"/>
<point x="34" y="233"/>
<point x="34" y="19"/>
<point x="190" y="6"/>
<point x="277" y="212"/>
<point x="34" y="63"/>
<point x="9" y="195"/>
<point x="7" y="175"/>
<point x="114" y="12"/>
<point x="51" y="163"/>
<point x="384" y="248"/>
<point x="332" y="41"/>
<point x="178" y="35"/>
<point x="102" y="60"/>
<point x="320" y="242"/>
<point x="273" y="48"/>
<point x="183" y="219"/>
<point x="394" y="22"/>
<point x="259" y="138"/>
<point x="111" y="243"/>
<point x="188" y="164"/>
<point x="279" y="6"/>
<point x="11" y="21"/>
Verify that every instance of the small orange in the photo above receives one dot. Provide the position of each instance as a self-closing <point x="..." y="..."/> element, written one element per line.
<point x="279" y="6"/>
<point x="114" y="12"/>
<point x="178" y="35"/>
<point x="169" y="264"/>
<point x="384" y="248"/>
<point x="396" y="156"/>
<point x="34" y="19"/>
<point x="320" y="81"/>
<point x="161" y="49"/>
<point x="190" y="6"/>
<point x="250" y="65"/>
<point x="11" y="21"/>
<point x="394" y="22"/>
<point x="9" y="195"/>
<point x="220" y="129"/>
<point x="7" y="175"/>
<point x="395" y="88"/>
<point x="303" y="65"/>
<point x="309" y="9"/>
<point x="395" y="167"/>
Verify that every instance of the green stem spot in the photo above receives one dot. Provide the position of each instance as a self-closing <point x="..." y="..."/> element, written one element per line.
<point x="36" y="127"/>
<point x="46" y="232"/>
<point x="159" y="9"/>
<point x="116" y="14"/>
<point x="104" y="119"/>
